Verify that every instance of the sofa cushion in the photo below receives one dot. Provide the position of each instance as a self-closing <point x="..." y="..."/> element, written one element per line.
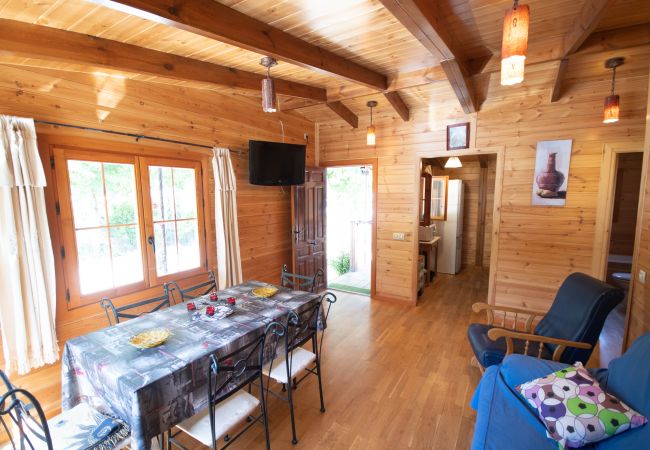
<point x="629" y="375"/>
<point x="576" y="410"/>
<point x="489" y="352"/>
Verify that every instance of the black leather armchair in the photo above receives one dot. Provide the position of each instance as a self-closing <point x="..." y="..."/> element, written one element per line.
<point x="567" y="333"/>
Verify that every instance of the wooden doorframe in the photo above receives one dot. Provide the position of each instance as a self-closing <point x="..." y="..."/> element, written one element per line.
<point x="500" y="152"/>
<point x="603" y="226"/>
<point x="375" y="178"/>
<point x="605" y="206"/>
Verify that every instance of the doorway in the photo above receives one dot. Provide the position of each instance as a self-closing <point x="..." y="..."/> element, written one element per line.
<point x="350" y="213"/>
<point x="455" y="236"/>
<point x="622" y="207"/>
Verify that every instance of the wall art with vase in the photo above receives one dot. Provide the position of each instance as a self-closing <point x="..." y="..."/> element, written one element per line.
<point x="551" y="172"/>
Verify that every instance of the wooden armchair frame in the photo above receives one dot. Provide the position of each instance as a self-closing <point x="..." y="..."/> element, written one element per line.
<point x="510" y="333"/>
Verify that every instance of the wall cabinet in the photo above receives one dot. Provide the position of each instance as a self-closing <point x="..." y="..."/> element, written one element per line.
<point x="433" y="198"/>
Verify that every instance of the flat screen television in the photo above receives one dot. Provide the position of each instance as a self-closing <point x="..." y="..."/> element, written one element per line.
<point x="275" y="163"/>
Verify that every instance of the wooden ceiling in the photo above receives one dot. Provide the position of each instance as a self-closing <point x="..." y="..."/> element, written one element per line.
<point x="364" y="32"/>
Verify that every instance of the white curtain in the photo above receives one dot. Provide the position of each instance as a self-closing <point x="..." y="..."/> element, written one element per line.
<point x="225" y="209"/>
<point x="27" y="283"/>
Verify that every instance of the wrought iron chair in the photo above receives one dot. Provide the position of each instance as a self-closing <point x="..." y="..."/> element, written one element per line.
<point x="133" y="310"/>
<point x="302" y="328"/>
<point x="192" y="292"/>
<point x="229" y="404"/>
<point x="567" y="333"/>
<point x="24" y="422"/>
<point x="300" y="282"/>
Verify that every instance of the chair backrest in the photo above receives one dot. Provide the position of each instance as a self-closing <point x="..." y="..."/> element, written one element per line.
<point x="304" y="326"/>
<point x="237" y="371"/>
<point x="114" y="314"/>
<point x="300" y="282"/>
<point x="189" y="293"/>
<point x="578" y="314"/>
<point x="22" y="418"/>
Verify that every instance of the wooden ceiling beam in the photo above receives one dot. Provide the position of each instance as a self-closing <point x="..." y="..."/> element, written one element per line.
<point x="344" y="113"/>
<point x="423" y="20"/>
<point x="461" y="84"/>
<point x="36" y="41"/>
<point x="588" y="18"/>
<point x="587" y="21"/>
<point x="397" y="102"/>
<point x="558" y="80"/>
<point x="216" y="21"/>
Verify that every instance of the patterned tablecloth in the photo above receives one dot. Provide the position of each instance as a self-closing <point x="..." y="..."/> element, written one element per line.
<point x="154" y="389"/>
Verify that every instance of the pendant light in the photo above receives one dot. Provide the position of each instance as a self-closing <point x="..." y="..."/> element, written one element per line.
<point x="612" y="101"/>
<point x="453" y="163"/>
<point x="514" y="46"/>
<point x="269" y="98"/>
<point x="370" y="135"/>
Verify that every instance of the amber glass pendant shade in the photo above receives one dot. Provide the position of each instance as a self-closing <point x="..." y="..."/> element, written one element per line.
<point x="370" y="136"/>
<point x="269" y="99"/>
<point x="514" y="46"/>
<point x="612" y="109"/>
<point x="269" y="96"/>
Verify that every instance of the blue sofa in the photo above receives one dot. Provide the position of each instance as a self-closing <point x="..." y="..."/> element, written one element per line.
<point x="506" y="421"/>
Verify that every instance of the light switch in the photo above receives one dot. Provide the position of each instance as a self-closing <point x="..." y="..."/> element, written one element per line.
<point x="642" y="276"/>
<point x="398" y="236"/>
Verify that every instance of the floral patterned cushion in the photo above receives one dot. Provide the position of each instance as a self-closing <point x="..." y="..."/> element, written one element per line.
<point x="575" y="409"/>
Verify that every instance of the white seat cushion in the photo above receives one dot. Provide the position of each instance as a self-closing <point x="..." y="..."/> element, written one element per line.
<point x="79" y="428"/>
<point x="227" y="414"/>
<point x="300" y="361"/>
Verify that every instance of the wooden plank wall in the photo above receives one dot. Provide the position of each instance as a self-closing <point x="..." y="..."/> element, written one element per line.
<point x="470" y="174"/>
<point x="639" y="307"/>
<point x="538" y="246"/>
<point x="171" y="112"/>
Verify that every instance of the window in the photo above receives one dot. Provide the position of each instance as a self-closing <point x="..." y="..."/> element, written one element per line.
<point x="128" y="222"/>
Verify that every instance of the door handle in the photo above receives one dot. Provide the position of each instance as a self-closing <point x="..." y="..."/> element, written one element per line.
<point x="152" y="242"/>
<point x="311" y="242"/>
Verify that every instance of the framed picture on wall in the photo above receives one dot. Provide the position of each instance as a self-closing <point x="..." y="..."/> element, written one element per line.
<point x="551" y="172"/>
<point x="458" y="136"/>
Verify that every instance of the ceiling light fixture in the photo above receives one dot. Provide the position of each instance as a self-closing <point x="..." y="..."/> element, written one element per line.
<point x="514" y="46"/>
<point x="370" y="135"/>
<point x="612" y="101"/>
<point x="453" y="163"/>
<point x="269" y="98"/>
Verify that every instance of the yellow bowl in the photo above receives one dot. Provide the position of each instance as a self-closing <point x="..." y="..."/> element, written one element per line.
<point x="150" y="338"/>
<point x="264" y="292"/>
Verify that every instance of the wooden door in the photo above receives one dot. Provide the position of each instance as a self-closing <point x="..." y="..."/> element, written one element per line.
<point x="309" y="226"/>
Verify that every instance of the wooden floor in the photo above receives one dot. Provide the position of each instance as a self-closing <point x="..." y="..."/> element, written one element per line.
<point x="395" y="377"/>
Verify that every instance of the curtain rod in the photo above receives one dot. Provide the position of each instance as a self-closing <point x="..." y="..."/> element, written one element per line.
<point x="133" y="135"/>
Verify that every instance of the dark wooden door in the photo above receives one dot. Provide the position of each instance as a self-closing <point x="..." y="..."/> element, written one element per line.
<point x="309" y="226"/>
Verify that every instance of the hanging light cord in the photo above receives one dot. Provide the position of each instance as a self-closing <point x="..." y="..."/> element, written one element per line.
<point x="371" y="116"/>
<point x="613" y="80"/>
<point x="516" y="4"/>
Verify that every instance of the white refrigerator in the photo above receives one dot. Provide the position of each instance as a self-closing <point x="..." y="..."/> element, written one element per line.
<point x="451" y="230"/>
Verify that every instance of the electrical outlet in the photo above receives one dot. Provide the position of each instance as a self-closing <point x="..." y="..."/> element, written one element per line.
<point x="398" y="236"/>
<point x="642" y="276"/>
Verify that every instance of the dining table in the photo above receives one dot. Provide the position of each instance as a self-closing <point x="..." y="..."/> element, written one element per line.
<point x="153" y="389"/>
